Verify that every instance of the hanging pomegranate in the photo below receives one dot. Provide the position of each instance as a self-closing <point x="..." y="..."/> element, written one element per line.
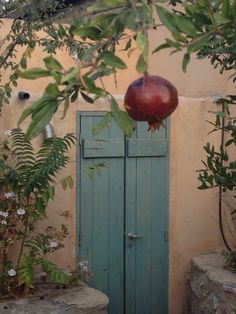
<point x="151" y="98"/>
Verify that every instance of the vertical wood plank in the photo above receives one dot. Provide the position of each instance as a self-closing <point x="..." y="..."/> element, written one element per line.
<point x="130" y="226"/>
<point x="85" y="199"/>
<point x="159" y="254"/>
<point x="116" y="228"/>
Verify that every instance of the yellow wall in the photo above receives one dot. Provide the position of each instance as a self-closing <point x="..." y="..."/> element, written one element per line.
<point x="193" y="226"/>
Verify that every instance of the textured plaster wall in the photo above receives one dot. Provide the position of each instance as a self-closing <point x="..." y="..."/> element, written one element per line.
<point x="193" y="220"/>
<point x="193" y="226"/>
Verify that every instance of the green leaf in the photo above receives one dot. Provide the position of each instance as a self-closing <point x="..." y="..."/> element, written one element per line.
<point x="112" y="60"/>
<point x="52" y="64"/>
<point x="185" y="61"/>
<point x="66" y="107"/>
<point x="57" y="76"/>
<point x="141" y="65"/>
<point x="23" y="63"/>
<point x="51" y="192"/>
<point x="54" y="272"/>
<point x="198" y="43"/>
<point x="232" y="164"/>
<point x="91" y="32"/>
<point x="220" y="19"/>
<point x="95" y="168"/>
<point x="131" y="20"/>
<point x="61" y="31"/>
<point x="226" y="8"/>
<point x="72" y="74"/>
<point x="64" y="184"/>
<point x="40" y="206"/>
<point x="233" y="8"/>
<point x="52" y="90"/>
<point x="92" y="87"/>
<point x="104" y="123"/>
<point x="41" y="118"/>
<point x="209" y="163"/>
<point x="74" y="95"/>
<point x="87" y="98"/>
<point x="167" y="18"/>
<point x="160" y="47"/>
<point x="121" y="118"/>
<point x="142" y="42"/>
<point x="35" y="106"/>
<point x="52" y="33"/>
<point x="185" y="25"/>
<point x="26" y="271"/>
<point x="106" y="4"/>
<point x="104" y="72"/>
<point x="70" y="182"/>
<point x="35" y="73"/>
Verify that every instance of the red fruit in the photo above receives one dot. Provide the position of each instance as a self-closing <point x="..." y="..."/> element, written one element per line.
<point x="151" y="98"/>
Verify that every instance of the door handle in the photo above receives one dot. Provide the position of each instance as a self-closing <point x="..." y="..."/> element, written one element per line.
<point x="132" y="236"/>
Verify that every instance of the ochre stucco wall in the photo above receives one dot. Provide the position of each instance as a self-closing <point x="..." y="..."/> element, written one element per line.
<point x="193" y="226"/>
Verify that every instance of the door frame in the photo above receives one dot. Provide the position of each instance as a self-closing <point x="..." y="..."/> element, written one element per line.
<point x="80" y="114"/>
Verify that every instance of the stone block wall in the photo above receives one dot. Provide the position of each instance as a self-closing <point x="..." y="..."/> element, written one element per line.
<point x="211" y="288"/>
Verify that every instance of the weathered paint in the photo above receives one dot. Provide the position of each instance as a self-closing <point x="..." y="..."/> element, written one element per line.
<point x="193" y="226"/>
<point x="130" y="196"/>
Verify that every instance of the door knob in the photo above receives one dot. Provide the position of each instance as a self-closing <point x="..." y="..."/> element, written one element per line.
<point x="132" y="236"/>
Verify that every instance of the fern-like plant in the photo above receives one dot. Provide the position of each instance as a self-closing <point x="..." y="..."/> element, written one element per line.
<point x="27" y="183"/>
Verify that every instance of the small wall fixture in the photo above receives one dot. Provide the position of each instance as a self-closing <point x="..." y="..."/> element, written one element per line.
<point x="23" y="95"/>
<point x="48" y="131"/>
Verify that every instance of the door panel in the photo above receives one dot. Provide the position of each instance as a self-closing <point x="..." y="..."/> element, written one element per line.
<point x="129" y="197"/>
<point x="147" y="147"/>
<point x="103" y="148"/>
<point x="101" y="200"/>
<point x="146" y="215"/>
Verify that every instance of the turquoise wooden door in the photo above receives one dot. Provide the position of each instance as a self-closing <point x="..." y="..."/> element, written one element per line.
<point x="122" y="221"/>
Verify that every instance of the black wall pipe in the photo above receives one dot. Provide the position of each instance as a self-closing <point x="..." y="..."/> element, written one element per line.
<point x="23" y="95"/>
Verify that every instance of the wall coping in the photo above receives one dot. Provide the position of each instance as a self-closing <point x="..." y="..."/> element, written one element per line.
<point x="51" y="298"/>
<point x="212" y="288"/>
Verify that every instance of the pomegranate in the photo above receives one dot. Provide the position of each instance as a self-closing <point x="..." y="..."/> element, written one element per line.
<point x="151" y="98"/>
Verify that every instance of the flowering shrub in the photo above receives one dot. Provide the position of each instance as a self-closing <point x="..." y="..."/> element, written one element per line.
<point x="27" y="183"/>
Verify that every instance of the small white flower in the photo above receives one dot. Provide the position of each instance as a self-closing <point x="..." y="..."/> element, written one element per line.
<point x="8" y="132"/>
<point x="11" y="272"/>
<point x="84" y="268"/>
<point x="4" y="214"/>
<point x="3" y="222"/>
<point x="20" y="211"/>
<point x="53" y="244"/>
<point x="83" y="265"/>
<point x="9" y="195"/>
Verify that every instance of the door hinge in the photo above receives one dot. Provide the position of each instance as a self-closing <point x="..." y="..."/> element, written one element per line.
<point x="80" y="140"/>
<point x="79" y="240"/>
<point x="166" y="234"/>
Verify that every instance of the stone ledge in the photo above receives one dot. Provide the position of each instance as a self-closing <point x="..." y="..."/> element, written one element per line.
<point x="51" y="300"/>
<point x="211" y="288"/>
